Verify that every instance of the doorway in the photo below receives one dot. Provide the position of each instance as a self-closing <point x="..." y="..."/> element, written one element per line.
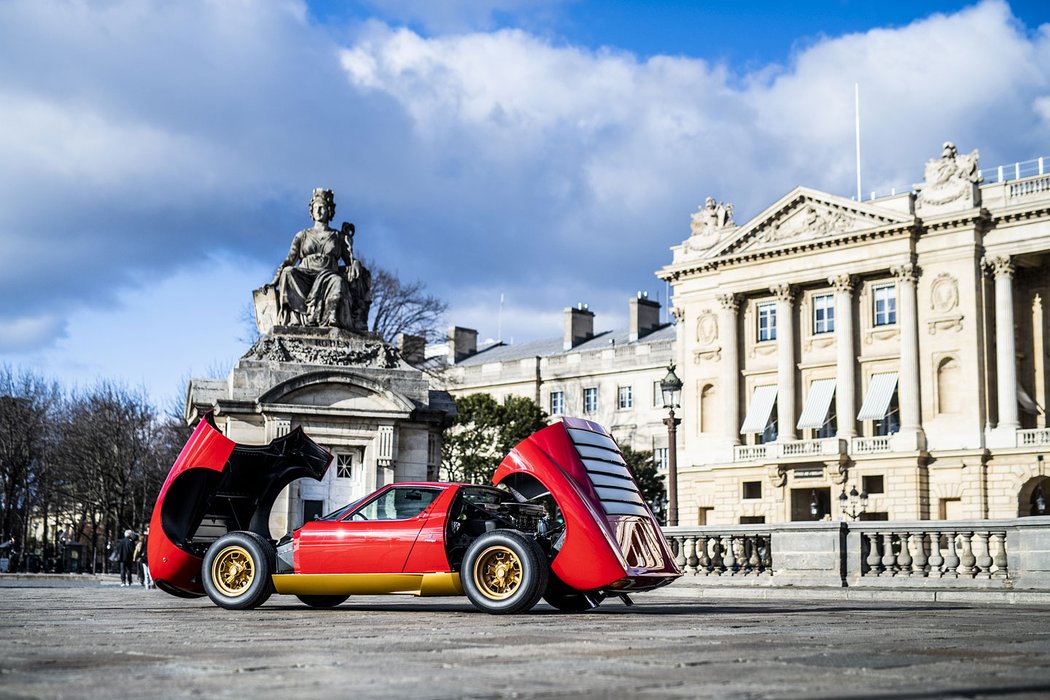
<point x="810" y="504"/>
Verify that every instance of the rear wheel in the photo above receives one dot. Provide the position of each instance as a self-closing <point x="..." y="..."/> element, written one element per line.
<point x="323" y="601"/>
<point x="504" y="572"/>
<point x="237" y="569"/>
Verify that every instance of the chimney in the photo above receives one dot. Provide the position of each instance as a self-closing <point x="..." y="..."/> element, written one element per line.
<point x="644" y="316"/>
<point x="462" y="343"/>
<point x="579" y="326"/>
<point x="412" y="348"/>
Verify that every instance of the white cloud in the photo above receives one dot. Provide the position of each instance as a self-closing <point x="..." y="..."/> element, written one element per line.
<point x="22" y="334"/>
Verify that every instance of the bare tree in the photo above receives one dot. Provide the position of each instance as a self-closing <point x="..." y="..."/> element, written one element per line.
<point x="398" y="307"/>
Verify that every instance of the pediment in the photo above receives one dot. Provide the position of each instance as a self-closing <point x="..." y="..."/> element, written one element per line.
<point x="343" y="391"/>
<point x="804" y="216"/>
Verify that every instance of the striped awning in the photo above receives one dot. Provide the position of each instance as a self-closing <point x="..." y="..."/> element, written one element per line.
<point x="758" y="412"/>
<point x="815" y="412"/>
<point x="880" y="393"/>
<point x="1027" y="404"/>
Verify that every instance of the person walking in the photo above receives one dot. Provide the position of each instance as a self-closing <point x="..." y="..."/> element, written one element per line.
<point x="142" y="561"/>
<point x="125" y="556"/>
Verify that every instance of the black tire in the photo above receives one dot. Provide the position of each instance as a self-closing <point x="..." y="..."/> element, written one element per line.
<point x="323" y="601"/>
<point x="563" y="597"/>
<point x="237" y="570"/>
<point x="504" y="572"/>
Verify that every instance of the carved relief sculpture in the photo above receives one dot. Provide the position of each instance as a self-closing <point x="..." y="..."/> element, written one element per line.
<point x="707" y="328"/>
<point x="708" y="224"/>
<point x="944" y="298"/>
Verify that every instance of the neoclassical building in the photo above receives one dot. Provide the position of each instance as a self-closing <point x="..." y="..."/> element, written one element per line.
<point x="896" y="346"/>
<point x="611" y="377"/>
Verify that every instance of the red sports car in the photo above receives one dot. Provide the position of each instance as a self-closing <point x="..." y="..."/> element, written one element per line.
<point x="564" y="522"/>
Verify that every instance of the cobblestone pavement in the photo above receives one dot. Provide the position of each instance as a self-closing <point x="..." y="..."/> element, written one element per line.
<point x="99" y="640"/>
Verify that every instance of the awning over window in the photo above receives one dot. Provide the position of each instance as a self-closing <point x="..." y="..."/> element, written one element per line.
<point x="880" y="392"/>
<point x="815" y="412"/>
<point x="758" y="412"/>
<point x="1027" y="404"/>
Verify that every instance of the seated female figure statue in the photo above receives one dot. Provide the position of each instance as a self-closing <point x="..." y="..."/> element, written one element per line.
<point x="316" y="291"/>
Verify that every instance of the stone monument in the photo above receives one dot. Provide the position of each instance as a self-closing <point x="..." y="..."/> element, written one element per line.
<point x="950" y="182"/>
<point x="315" y="365"/>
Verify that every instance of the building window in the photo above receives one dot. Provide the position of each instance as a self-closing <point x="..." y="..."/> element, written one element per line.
<point x="557" y="403"/>
<point x="312" y="510"/>
<point x="590" y="400"/>
<point x="624" y="398"/>
<point x="885" y="299"/>
<point x="830" y="428"/>
<point x="433" y="450"/>
<point x="891" y="423"/>
<point x="767" y="321"/>
<point x="752" y="519"/>
<point x="344" y="465"/>
<point x="752" y="489"/>
<point x="660" y="459"/>
<point x="769" y="434"/>
<point x="658" y="395"/>
<point x="824" y="313"/>
<point x="873" y="484"/>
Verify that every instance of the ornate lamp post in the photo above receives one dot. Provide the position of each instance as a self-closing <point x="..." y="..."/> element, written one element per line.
<point x="671" y="387"/>
<point x="853" y="504"/>
<point x="1040" y="501"/>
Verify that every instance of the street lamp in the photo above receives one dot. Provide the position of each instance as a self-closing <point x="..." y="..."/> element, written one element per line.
<point x="671" y="387"/>
<point x="1040" y="501"/>
<point x="850" y="503"/>
<point x="814" y="507"/>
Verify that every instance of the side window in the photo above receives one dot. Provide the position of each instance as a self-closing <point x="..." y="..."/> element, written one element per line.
<point x="767" y="321"/>
<point x="398" y="503"/>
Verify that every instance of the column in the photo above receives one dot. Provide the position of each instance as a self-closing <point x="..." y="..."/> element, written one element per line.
<point x="845" y="409"/>
<point x="908" y="376"/>
<point x="1002" y="268"/>
<point x="730" y="368"/>
<point x="786" y="417"/>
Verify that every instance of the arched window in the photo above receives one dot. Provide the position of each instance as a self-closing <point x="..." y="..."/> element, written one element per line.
<point x="708" y="409"/>
<point x="1034" y="497"/>
<point x="949" y="378"/>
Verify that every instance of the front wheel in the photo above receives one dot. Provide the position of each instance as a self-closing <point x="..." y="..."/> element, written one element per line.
<point x="504" y="572"/>
<point x="237" y="569"/>
<point x="323" y="601"/>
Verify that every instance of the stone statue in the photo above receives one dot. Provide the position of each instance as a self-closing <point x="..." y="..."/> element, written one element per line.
<point x="948" y="178"/>
<point x="708" y="223"/>
<point x="313" y="289"/>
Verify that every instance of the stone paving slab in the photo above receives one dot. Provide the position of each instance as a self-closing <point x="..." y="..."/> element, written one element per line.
<point x="100" y="640"/>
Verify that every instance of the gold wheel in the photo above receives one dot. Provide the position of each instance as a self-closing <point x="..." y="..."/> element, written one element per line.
<point x="233" y="571"/>
<point x="497" y="573"/>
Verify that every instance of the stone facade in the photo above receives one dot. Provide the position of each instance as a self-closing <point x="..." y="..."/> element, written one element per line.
<point x="350" y="392"/>
<point x="607" y="377"/>
<point x="896" y="345"/>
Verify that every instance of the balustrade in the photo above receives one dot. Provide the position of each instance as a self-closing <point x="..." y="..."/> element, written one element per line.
<point x="1033" y="438"/>
<point x="712" y="553"/>
<point x="934" y="553"/>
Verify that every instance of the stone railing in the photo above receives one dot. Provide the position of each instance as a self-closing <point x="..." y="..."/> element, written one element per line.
<point x="869" y="445"/>
<point x="973" y="554"/>
<point x="1030" y="187"/>
<point x="1029" y="438"/>
<point x="750" y="453"/>
<point x="789" y="449"/>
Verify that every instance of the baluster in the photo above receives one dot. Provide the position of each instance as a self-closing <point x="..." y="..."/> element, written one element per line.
<point x="918" y="564"/>
<point x="889" y="559"/>
<point x="690" y="555"/>
<point x="1000" y="560"/>
<point x="679" y="551"/>
<point x="767" y="554"/>
<point x="984" y="556"/>
<point x="729" y="559"/>
<point x="717" y="565"/>
<point x="704" y="563"/>
<point x="967" y="559"/>
<point x="740" y="554"/>
<point x="904" y="558"/>
<point x="936" y="560"/>
<point x="874" y="560"/>
<point x="951" y="562"/>
<point x="753" y="562"/>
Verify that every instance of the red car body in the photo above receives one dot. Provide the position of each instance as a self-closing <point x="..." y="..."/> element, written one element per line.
<point x="565" y="488"/>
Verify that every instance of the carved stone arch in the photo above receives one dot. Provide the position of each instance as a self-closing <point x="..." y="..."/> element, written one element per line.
<point x="1026" y="496"/>
<point x="333" y="382"/>
<point x="948" y="375"/>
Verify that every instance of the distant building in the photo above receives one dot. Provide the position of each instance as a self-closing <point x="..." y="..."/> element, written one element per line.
<point x="610" y="377"/>
<point x="897" y="346"/>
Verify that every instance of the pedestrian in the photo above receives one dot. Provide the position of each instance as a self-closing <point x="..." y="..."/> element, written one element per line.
<point x="142" y="561"/>
<point x="125" y="551"/>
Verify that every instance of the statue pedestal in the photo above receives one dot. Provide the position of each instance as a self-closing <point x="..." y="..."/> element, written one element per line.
<point x="323" y="346"/>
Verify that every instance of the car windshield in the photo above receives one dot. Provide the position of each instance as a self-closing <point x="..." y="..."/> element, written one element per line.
<point x="338" y="514"/>
<point x="397" y="503"/>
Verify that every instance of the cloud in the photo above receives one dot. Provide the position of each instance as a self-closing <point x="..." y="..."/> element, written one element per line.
<point x="18" y="335"/>
<point x="141" y="136"/>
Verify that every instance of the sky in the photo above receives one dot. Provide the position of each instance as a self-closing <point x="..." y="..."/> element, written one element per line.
<point x="157" y="157"/>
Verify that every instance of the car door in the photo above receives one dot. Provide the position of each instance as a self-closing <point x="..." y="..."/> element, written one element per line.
<point x="376" y="537"/>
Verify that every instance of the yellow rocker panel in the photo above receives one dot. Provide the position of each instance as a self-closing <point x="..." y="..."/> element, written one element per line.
<point x="435" y="584"/>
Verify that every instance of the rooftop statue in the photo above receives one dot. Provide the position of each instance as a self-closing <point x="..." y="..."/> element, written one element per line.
<point x="312" y="287"/>
<point x="708" y="223"/>
<point x="948" y="178"/>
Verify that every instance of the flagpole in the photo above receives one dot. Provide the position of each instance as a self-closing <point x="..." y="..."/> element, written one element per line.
<point x="856" y="112"/>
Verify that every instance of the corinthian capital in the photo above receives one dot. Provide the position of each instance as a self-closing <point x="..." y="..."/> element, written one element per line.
<point x="905" y="273"/>
<point x="998" y="265"/>
<point x="729" y="302"/>
<point x="782" y="291"/>
<point x="841" y="283"/>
